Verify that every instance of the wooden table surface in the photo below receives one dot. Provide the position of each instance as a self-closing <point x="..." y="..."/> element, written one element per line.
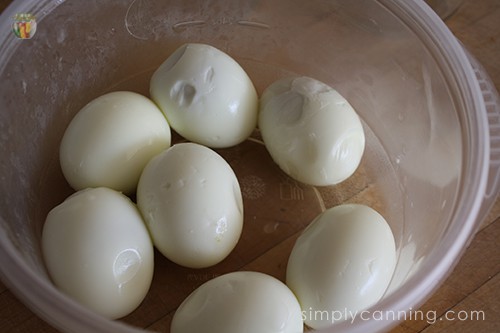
<point x="472" y="291"/>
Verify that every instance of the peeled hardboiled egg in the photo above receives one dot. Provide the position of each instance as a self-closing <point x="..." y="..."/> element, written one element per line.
<point x="311" y="131"/>
<point x="192" y="204"/>
<point x="342" y="263"/>
<point x="206" y="96"/>
<point x="98" y="251"/>
<point x="111" y="139"/>
<point x="239" y="302"/>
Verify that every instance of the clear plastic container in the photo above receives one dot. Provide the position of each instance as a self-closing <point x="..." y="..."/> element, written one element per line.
<point x="432" y="122"/>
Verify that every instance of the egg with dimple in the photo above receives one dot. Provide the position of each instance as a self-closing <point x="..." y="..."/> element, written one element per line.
<point x="206" y="96"/>
<point x="192" y="204"/>
<point x="110" y="140"/>
<point x="341" y="263"/>
<point x="311" y="131"/>
<point x="98" y="251"/>
<point x="239" y="302"/>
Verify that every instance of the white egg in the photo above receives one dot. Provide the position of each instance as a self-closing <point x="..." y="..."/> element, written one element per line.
<point x="206" y="96"/>
<point x="98" y="251"/>
<point x="239" y="302"/>
<point x="111" y="139"/>
<point x="342" y="263"/>
<point x="311" y="131"/>
<point x="192" y="204"/>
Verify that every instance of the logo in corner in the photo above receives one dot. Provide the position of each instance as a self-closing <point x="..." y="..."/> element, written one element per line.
<point x="24" y="26"/>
